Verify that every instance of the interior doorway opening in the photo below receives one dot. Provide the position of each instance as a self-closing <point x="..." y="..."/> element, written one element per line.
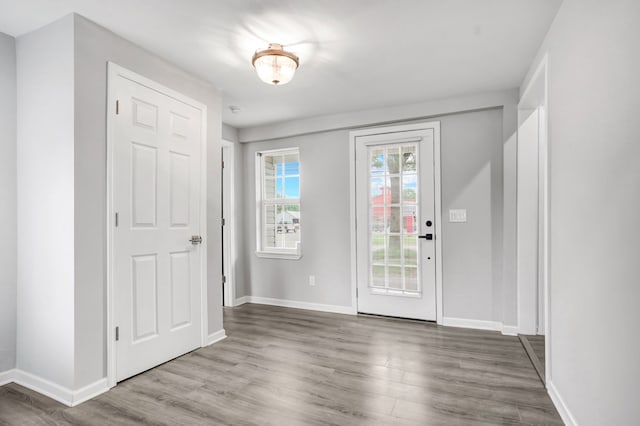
<point x="228" y="215"/>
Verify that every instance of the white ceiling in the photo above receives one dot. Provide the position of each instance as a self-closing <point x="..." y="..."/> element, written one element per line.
<point x="355" y="54"/>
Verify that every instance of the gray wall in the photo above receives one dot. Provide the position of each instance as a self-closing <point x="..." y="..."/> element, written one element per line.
<point x="45" y="169"/>
<point x="324" y="164"/>
<point x="594" y="103"/>
<point x="8" y="201"/>
<point x="472" y="162"/>
<point x="229" y="133"/>
<point x="472" y="253"/>
<point x="94" y="46"/>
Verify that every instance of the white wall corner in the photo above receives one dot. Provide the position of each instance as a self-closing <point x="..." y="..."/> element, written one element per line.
<point x="7" y="377"/>
<point x="510" y="330"/>
<point x="216" y="337"/>
<point x="471" y="323"/>
<point x="241" y="301"/>
<point x="561" y="406"/>
<point x="335" y="309"/>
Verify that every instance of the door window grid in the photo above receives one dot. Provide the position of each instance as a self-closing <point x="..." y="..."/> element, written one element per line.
<point x="393" y="210"/>
<point x="280" y="201"/>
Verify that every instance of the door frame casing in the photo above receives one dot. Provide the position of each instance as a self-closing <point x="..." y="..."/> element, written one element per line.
<point x="536" y="96"/>
<point x="229" y="237"/>
<point x="431" y="125"/>
<point x="114" y="71"/>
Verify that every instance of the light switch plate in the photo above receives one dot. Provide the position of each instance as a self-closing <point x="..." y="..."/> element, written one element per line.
<point x="458" y="215"/>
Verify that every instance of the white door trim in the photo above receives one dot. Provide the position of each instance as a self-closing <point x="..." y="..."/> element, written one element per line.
<point x="229" y="239"/>
<point x="435" y="126"/>
<point x="113" y="72"/>
<point x="535" y="95"/>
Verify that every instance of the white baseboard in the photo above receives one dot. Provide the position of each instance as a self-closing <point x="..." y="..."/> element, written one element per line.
<point x="60" y="393"/>
<point x="471" y="323"/>
<point x="336" y="309"/>
<point x="241" y="301"/>
<point x="7" y="377"/>
<point x="44" y="386"/>
<point x="509" y="330"/>
<point x="562" y="408"/>
<point x="90" y="391"/>
<point x="216" y="337"/>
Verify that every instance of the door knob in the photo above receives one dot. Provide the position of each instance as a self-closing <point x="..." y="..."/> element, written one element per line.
<point x="196" y="239"/>
<point x="426" y="236"/>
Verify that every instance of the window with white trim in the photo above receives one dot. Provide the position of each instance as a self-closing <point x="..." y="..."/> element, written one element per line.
<point x="278" y="203"/>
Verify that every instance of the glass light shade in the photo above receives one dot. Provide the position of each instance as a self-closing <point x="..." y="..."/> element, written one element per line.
<point x="275" y="65"/>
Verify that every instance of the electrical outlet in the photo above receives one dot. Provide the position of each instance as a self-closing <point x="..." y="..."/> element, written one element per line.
<point x="312" y="280"/>
<point x="459" y="215"/>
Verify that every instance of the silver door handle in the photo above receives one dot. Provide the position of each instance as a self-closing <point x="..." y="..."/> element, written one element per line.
<point x="196" y="239"/>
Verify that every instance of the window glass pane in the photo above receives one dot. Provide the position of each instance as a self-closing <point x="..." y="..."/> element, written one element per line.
<point x="411" y="279"/>
<point x="377" y="220"/>
<point x="270" y="214"/>
<point x="395" y="277"/>
<point x="409" y="219"/>
<point x="409" y="188"/>
<point x="270" y="187"/>
<point x="393" y="160"/>
<point x="377" y="276"/>
<point x="269" y="236"/>
<point x="377" y="248"/>
<point x="377" y="161"/>
<point x="393" y="190"/>
<point x="269" y="166"/>
<point x="393" y="220"/>
<point x="292" y="187"/>
<point x="377" y="190"/>
<point x="410" y="250"/>
<point x="287" y="223"/>
<point x="393" y="250"/>
<point x="408" y="159"/>
<point x="291" y="165"/>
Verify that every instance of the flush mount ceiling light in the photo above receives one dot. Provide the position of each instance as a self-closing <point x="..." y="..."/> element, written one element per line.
<point x="275" y="65"/>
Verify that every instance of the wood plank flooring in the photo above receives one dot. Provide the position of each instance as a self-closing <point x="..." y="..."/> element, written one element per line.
<point x="283" y="366"/>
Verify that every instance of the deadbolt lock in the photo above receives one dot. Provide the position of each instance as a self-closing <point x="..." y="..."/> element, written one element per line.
<point x="196" y="239"/>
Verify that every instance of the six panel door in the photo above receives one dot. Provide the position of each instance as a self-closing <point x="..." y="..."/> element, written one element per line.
<point x="156" y="194"/>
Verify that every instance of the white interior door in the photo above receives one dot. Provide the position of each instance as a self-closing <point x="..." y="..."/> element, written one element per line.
<point x="157" y="198"/>
<point x="395" y="212"/>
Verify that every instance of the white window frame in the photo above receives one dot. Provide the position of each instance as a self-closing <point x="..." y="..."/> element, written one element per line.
<point x="274" y="253"/>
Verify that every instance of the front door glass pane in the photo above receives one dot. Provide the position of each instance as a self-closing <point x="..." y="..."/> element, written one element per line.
<point x="393" y="216"/>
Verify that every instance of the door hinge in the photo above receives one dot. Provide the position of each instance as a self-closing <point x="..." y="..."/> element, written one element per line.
<point x="356" y="292"/>
<point x="117" y="220"/>
<point x="117" y="107"/>
<point x="224" y="222"/>
<point x="223" y="164"/>
<point x="117" y="333"/>
<point x="224" y="279"/>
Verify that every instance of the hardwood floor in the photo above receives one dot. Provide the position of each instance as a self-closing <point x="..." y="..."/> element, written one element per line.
<point x="283" y="366"/>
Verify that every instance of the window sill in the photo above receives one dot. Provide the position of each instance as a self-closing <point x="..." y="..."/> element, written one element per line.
<point x="278" y="255"/>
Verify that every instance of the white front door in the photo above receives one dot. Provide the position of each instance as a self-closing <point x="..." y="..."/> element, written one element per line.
<point x="156" y="193"/>
<point x="395" y="212"/>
